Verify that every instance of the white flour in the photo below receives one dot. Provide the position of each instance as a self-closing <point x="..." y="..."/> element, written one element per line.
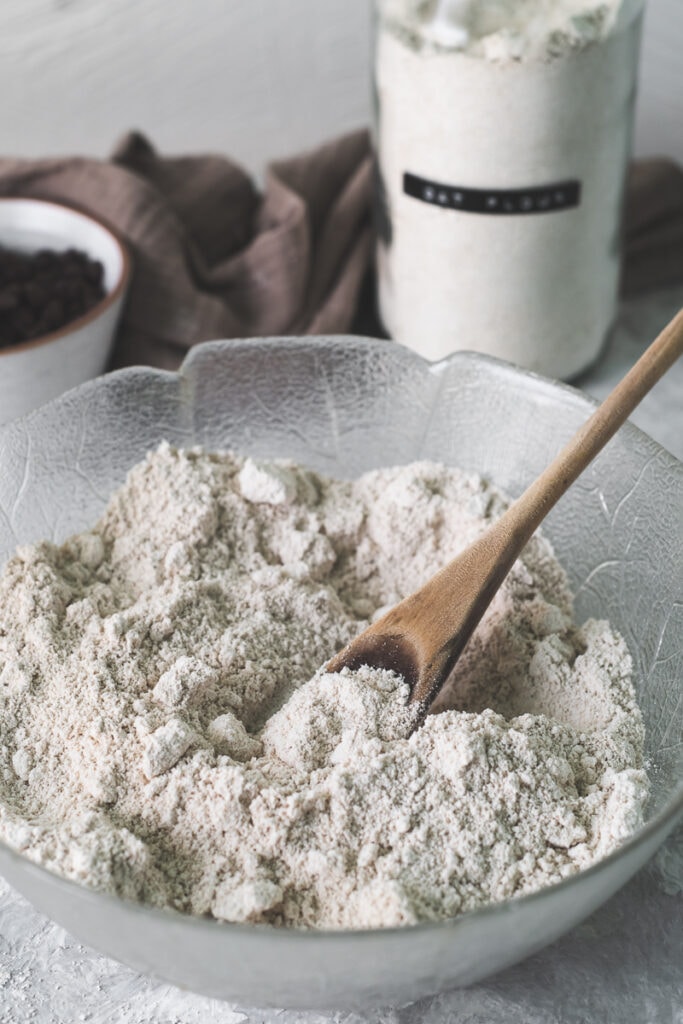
<point x="515" y="102"/>
<point x="165" y="735"/>
<point x="508" y="29"/>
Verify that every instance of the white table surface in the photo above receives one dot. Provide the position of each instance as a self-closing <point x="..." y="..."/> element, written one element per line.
<point x="624" y="965"/>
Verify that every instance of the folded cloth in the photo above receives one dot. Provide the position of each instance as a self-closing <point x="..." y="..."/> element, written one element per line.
<point x="653" y="228"/>
<point x="217" y="258"/>
<point x="214" y="258"/>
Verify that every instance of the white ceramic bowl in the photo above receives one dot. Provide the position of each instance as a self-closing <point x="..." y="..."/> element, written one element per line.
<point x="343" y="406"/>
<point x="35" y="371"/>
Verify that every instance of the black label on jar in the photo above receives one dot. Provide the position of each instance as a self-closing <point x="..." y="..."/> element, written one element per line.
<point x="560" y="195"/>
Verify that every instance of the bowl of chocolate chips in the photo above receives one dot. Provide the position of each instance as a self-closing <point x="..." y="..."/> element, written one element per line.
<point x="63" y="281"/>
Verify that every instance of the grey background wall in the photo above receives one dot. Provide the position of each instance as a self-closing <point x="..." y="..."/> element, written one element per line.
<point x="256" y="78"/>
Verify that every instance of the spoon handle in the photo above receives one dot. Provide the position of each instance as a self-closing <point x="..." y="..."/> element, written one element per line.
<point x="460" y="593"/>
<point x="423" y="636"/>
<point x="525" y="515"/>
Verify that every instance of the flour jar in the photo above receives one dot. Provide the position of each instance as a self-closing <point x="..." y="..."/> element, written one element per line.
<point x="502" y="136"/>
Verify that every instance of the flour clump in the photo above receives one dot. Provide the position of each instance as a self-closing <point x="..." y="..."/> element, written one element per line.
<point x="167" y="732"/>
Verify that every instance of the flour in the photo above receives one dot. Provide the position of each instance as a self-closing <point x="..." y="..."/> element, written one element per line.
<point x="503" y="30"/>
<point x="167" y="734"/>
<point x="515" y="127"/>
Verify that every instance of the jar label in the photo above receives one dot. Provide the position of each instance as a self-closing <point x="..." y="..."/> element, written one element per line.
<point x="560" y="195"/>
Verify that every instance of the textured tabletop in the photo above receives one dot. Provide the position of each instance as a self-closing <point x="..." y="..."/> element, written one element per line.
<point x="623" y="965"/>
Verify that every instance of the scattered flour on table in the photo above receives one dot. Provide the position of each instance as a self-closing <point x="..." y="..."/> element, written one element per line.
<point x="166" y="732"/>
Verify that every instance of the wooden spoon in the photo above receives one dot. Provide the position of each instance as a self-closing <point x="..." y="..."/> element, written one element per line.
<point x="423" y="636"/>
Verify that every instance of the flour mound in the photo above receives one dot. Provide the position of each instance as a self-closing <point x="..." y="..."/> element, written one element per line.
<point x="167" y="733"/>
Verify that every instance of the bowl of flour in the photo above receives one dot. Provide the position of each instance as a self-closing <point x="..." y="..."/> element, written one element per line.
<point x="184" y="787"/>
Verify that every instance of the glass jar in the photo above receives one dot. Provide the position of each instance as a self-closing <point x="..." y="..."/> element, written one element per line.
<point x="501" y="166"/>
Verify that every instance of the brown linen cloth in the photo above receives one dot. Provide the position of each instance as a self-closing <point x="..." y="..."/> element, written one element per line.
<point x="214" y="258"/>
<point x="653" y="234"/>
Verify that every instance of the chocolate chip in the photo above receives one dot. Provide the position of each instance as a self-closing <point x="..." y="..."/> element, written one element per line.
<point x="43" y="291"/>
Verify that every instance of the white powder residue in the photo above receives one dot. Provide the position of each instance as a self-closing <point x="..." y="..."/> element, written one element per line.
<point x="508" y="29"/>
<point x="167" y="734"/>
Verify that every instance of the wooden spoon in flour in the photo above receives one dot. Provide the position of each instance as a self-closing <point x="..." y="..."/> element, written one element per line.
<point x="423" y="636"/>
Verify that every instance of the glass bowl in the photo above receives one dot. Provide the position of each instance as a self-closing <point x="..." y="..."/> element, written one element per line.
<point x="343" y="406"/>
